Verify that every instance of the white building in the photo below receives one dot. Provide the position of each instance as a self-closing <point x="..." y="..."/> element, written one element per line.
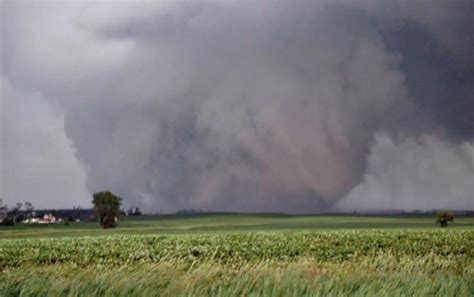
<point x="46" y="219"/>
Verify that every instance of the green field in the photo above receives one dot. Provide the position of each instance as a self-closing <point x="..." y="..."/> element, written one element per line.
<point x="174" y="224"/>
<point x="241" y="255"/>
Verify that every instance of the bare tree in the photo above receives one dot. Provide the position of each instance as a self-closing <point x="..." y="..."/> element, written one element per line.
<point x="3" y="210"/>
<point x="76" y="212"/>
<point x="3" y="207"/>
<point x="28" y="206"/>
<point x="17" y="213"/>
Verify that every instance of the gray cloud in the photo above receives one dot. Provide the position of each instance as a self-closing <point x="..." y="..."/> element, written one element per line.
<point x="37" y="162"/>
<point x="231" y="105"/>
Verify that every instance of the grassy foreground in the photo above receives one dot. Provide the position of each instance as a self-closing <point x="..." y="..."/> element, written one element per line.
<point x="420" y="262"/>
<point x="368" y="276"/>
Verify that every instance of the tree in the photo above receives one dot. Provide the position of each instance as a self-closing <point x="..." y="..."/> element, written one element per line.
<point x="76" y="212"/>
<point x="444" y="217"/>
<point x="138" y="212"/>
<point x="8" y="221"/>
<point x="3" y="207"/>
<point x="134" y="211"/>
<point x="28" y="209"/>
<point x="17" y="212"/>
<point x="107" y="208"/>
<point x="4" y="220"/>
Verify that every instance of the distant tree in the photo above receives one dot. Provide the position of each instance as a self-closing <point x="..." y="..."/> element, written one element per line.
<point x="3" y="207"/>
<point x="8" y="221"/>
<point x="28" y="209"/>
<point x="190" y="211"/>
<point x="134" y="211"/>
<point x="17" y="212"/>
<point x="137" y="211"/>
<point x="76" y="212"/>
<point x="107" y="208"/>
<point x="4" y="219"/>
<point x="442" y="218"/>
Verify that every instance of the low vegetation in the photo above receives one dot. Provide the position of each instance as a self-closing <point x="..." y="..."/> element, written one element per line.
<point x="381" y="275"/>
<point x="364" y="262"/>
<point x="236" y="249"/>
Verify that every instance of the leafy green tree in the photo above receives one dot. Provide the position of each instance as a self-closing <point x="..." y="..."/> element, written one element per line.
<point x="107" y="208"/>
<point x="442" y="218"/>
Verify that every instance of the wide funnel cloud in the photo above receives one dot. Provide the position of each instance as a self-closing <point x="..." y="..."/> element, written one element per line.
<point x="246" y="106"/>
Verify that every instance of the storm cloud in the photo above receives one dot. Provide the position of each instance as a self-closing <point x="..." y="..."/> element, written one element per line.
<point x="239" y="106"/>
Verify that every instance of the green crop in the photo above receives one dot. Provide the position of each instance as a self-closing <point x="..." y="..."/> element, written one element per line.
<point x="419" y="262"/>
<point x="238" y="249"/>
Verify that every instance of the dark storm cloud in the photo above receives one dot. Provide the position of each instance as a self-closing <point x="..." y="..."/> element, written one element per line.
<point x="440" y="83"/>
<point x="243" y="106"/>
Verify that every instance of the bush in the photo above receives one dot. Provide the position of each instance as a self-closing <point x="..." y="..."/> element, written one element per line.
<point x="8" y="221"/>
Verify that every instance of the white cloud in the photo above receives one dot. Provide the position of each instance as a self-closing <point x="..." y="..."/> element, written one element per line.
<point x="37" y="160"/>
<point x="425" y="173"/>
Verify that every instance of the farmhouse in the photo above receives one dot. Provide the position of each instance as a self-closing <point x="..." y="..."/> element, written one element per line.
<point x="46" y="219"/>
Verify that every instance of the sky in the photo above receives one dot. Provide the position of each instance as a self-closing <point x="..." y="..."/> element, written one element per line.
<point x="280" y="106"/>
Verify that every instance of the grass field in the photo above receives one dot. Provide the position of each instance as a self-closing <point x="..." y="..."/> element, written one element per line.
<point x="173" y="224"/>
<point x="241" y="255"/>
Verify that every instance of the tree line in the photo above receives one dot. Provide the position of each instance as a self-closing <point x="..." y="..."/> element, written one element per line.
<point x="107" y="211"/>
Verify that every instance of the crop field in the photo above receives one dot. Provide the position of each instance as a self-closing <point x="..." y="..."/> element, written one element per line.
<point x="232" y="223"/>
<point x="242" y="255"/>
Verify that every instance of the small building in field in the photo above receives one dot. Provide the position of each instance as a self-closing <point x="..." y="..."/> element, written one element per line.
<point x="45" y="219"/>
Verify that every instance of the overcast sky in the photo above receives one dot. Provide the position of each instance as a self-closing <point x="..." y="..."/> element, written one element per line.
<point x="288" y="106"/>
